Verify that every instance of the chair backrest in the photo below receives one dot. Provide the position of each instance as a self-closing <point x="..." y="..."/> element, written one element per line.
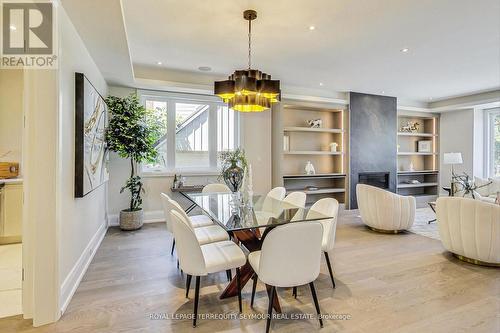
<point x="173" y="205"/>
<point x="216" y="188"/>
<point x="297" y="199"/>
<point x="385" y="210"/>
<point x="191" y="259"/>
<point x="328" y="207"/>
<point x="276" y="194"/>
<point x="166" y="210"/>
<point x="469" y="227"/>
<point x="291" y="254"/>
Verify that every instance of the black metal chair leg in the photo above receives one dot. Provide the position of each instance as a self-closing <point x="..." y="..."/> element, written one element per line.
<point x="196" y="297"/>
<point x="239" y="288"/>
<point x="316" y="304"/>
<point x="173" y="246"/>
<point x="329" y="268"/>
<point x="188" y="284"/>
<point x="294" y="292"/>
<point x="254" y="286"/>
<point x="270" y="308"/>
<point x="229" y="275"/>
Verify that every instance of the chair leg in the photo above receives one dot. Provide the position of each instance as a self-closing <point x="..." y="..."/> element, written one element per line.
<point x="238" y="283"/>
<point x="173" y="246"/>
<point x="294" y="292"/>
<point x="329" y="268"/>
<point x="229" y="275"/>
<point x="188" y="284"/>
<point x="270" y="308"/>
<point x="316" y="304"/>
<point x="196" y="297"/>
<point x="254" y="286"/>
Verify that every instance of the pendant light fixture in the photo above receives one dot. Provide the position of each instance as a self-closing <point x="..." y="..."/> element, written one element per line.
<point x="249" y="90"/>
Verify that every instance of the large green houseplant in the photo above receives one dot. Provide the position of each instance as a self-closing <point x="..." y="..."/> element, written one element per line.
<point x="132" y="136"/>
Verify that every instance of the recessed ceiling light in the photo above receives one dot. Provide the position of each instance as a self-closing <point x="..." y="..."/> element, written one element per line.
<point x="405" y="50"/>
<point x="205" y="68"/>
<point x="159" y="63"/>
<point x="312" y="27"/>
<point x="13" y="27"/>
<point x="383" y="92"/>
<point x="321" y="84"/>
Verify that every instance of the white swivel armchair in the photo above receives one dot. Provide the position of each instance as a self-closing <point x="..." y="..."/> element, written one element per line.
<point x="216" y="188"/>
<point x="384" y="211"/>
<point x="470" y="229"/>
<point x="289" y="259"/>
<point x="199" y="260"/>
<point x="196" y="220"/>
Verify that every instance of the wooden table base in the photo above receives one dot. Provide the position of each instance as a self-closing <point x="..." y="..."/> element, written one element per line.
<point x="250" y="240"/>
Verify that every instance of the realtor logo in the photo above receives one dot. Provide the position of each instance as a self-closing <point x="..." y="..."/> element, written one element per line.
<point x="28" y="35"/>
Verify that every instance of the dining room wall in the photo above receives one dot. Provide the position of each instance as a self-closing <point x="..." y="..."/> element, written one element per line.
<point x="255" y="131"/>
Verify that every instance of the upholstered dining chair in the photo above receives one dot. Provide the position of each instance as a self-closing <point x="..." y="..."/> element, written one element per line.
<point x="200" y="260"/>
<point x="196" y="220"/>
<point x="297" y="199"/>
<point x="289" y="259"/>
<point x="216" y="188"/>
<point x="326" y="207"/>
<point x="276" y="194"/>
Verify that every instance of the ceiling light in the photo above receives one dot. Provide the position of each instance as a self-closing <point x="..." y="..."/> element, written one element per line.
<point x="383" y="92"/>
<point x="405" y="50"/>
<point x="249" y="90"/>
<point x="13" y="27"/>
<point x="321" y="84"/>
<point x="312" y="27"/>
<point x="204" y="68"/>
<point x="159" y="63"/>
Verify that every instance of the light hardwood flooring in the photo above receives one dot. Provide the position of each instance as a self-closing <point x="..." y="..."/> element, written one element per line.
<point x="386" y="283"/>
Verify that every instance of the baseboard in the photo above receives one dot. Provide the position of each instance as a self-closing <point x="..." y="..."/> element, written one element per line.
<point x="72" y="281"/>
<point x="151" y="216"/>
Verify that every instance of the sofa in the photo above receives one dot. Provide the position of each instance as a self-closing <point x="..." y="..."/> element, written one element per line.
<point x="384" y="211"/>
<point x="488" y="189"/>
<point x="470" y="229"/>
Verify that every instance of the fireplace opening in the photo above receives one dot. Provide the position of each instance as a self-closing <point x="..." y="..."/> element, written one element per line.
<point x="378" y="179"/>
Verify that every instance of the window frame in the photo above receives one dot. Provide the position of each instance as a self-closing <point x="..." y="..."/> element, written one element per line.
<point x="489" y="149"/>
<point x="171" y="98"/>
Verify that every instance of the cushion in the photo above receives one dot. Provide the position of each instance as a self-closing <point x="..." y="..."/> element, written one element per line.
<point x="221" y="256"/>
<point x="210" y="234"/>
<point x="494" y="187"/>
<point x="485" y="190"/>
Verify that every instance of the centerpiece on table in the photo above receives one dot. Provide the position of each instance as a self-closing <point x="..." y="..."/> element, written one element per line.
<point x="132" y="133"/>
<point x="233" y="165"/>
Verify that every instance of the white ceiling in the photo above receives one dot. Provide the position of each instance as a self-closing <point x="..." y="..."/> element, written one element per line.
<point x="454" y="45"/>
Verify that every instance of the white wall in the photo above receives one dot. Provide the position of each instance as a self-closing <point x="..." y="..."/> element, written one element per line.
<point x="82" y="220"/>
<point x="256" y="140"/>
<point x="11" y="114"/>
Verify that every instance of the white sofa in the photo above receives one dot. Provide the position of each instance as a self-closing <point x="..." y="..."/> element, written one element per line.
<point x="385" y="211"/>
<point x="489" y="192"/>
<point x="470" y="229"/>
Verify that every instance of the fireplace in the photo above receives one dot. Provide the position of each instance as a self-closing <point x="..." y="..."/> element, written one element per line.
<point x="378" y="179"/>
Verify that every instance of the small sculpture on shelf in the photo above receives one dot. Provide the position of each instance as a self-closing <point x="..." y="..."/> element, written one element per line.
<point x="410" y="127"/>
<point x="309" y="169"/>
<point x="315" y="123"/>
<point x="333" y="147"/>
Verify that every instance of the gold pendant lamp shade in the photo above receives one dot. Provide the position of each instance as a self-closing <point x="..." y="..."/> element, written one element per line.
<point x="249" y="90"/>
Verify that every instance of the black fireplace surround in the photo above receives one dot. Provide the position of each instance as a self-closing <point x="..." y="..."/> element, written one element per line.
<point x="378" y="179"/>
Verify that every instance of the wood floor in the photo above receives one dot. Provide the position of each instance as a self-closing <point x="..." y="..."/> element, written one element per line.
<point x="385" y="283"/>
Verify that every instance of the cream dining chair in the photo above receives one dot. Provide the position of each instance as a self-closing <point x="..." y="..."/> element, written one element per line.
<point x="200" y="260"/>
<point x="215" y="188"/>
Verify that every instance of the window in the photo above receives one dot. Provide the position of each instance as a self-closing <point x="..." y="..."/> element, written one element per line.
<point x="492" y="142"/>
<point x="194" y="128"/>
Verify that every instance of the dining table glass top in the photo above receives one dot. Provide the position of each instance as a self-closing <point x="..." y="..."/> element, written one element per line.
<point x="232" y="213"/>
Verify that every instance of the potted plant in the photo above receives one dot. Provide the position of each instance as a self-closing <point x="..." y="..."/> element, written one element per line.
<point x="233" y="165"/>
<point x="131" y="136"/>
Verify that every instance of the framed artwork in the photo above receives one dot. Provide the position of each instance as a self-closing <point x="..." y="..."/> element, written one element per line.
<point x="425" y="146"/>
<point x="91" y="158"/>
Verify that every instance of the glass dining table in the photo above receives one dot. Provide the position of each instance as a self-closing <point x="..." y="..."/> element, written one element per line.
<point x="244" y="220"/>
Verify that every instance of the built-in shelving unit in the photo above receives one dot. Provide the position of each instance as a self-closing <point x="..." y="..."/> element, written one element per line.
<point x="313" y="144"/>
<point x="418" y="168"/>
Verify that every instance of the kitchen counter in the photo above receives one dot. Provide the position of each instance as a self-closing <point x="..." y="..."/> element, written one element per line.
<point x="11" y="181"/>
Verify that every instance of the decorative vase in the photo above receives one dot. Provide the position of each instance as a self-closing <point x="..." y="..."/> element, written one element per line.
<point x="333" y="147"/>
<point x="233" y="177"/>
<point x="131" y="219"/>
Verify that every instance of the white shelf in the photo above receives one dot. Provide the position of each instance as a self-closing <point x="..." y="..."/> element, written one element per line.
<point x="315" y="130"/>
<point x="319" y="191"/>
<point x="311" y="152"/>
<point x="410" y="153"/>
<point x="403" y="185"/>
<point x="426" y="135"/>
